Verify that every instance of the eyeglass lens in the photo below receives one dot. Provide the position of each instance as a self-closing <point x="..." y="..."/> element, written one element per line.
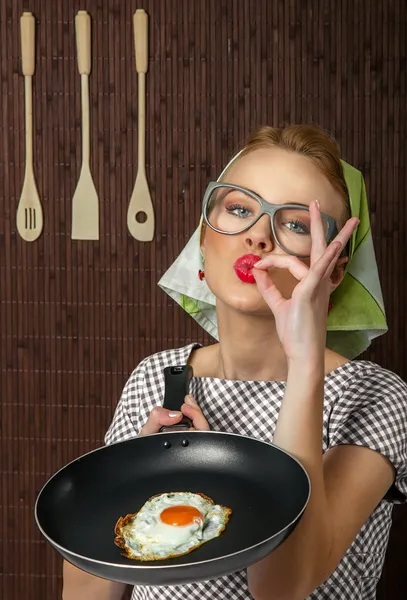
<point x="230" y="210"/>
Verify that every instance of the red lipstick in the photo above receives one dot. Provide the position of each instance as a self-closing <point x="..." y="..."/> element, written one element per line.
<point x="243" y="267"/>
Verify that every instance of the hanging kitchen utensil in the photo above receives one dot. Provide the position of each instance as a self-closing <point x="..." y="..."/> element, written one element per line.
<point x="266" y="488"/>
<point x="29" y="210"/>
<point x="85" y="202"/>
<point x="140" y="212"/>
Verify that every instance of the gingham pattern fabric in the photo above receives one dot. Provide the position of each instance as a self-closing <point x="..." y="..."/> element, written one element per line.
<point x="364" y="405"/>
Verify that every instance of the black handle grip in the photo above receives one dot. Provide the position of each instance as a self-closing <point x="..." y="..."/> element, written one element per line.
<point x="177" y="381"/>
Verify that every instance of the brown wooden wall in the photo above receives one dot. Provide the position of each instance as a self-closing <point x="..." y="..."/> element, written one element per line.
<point x="76" y="317"/>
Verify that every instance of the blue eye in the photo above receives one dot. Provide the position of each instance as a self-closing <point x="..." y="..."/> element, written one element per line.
<point x="297" y="227"/>
<point x="239" y="211"/>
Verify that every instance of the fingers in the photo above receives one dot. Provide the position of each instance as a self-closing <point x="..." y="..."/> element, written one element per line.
<point x="326" y="263"/>
<point x="342" y="261"/>
<point x="336" y="262"/>
<point x="322" y="255"/>
<point x="265" y="283"/>
<point x="191" y="410"/>
<point x="346" y="232"/>
<point x="323" y="260"/>
<point x="158" y="418"/>
<point x="318" y="245"/>
<point x="282" y="261"/>
<point x="324" y="266"/>
<point x="268" y="289"/>
<point x="320" y="269"/>
<point x="318" y="240"/>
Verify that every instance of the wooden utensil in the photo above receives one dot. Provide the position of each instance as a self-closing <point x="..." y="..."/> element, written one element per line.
<point x="140" y="204"/>
<point x="29" y="210"/>
<point x="85" y="202"/>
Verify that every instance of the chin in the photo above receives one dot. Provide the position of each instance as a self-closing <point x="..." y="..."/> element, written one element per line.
<point x="245" y="297"/>
<point x="259" y="309"/>
<point x="242" y="297"/>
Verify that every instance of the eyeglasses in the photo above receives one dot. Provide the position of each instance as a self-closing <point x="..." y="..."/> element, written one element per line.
<point x="231" y="209"/>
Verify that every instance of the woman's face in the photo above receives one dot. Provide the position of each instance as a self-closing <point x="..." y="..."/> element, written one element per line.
<point x="279" y="177"/>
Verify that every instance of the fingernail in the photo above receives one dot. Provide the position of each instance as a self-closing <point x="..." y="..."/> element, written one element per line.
<point x="174" y="414"/>
<point x="318" y="204"/>
<point x="190" y="400"/>
<point x="258" y="264"/>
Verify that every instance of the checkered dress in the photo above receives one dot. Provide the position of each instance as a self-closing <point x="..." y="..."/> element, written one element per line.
<point x="364" y="405"/>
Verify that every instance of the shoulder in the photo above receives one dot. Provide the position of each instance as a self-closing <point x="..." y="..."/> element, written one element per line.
<point x="367" y="391"/>
<point x="367" y="380"/>
<point x="371" y="411"/>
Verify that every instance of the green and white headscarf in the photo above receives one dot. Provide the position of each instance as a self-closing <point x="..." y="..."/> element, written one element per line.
<point x="357" y="315"/>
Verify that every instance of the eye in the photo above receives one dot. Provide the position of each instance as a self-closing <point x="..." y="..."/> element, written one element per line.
<point x="239" y="210"/>
<point x="296" y="226"/>
<point x="240" y="205"/>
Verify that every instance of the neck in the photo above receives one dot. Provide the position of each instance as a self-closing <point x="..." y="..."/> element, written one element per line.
<point x="249" y="349"/>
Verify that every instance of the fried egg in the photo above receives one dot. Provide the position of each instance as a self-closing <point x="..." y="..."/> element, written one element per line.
<point x="170" y="525"/>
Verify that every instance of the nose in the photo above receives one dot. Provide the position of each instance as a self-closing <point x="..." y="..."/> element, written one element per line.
<point x="260" y="235"/>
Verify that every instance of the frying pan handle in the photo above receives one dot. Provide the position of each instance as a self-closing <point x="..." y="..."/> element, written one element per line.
<point x="177" y="381"/>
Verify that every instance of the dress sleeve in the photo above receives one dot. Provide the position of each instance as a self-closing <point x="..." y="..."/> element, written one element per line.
<point x="126" y="420"/>
<point x="372" y="412"/>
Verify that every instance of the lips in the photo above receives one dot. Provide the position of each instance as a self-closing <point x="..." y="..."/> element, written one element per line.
<point x="243" y="267"/>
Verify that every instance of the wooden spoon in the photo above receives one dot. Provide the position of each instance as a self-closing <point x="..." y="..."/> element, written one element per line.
<point x="140" y="204"/>
<point x="29" y="210"/>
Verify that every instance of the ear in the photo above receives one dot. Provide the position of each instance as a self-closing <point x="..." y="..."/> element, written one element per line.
<point x="339" y="272"/>
<point x="202" y="239"/>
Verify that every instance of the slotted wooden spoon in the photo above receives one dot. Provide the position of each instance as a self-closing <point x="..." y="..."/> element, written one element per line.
<point x="140" y="212"/>
<point x="29" y="210"/>
<point x="85" y="202"/>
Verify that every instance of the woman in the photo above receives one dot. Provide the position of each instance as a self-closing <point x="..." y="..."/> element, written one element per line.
<point x="271" y="375"/>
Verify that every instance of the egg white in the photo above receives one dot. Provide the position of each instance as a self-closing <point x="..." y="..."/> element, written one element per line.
<point x="144" y="536"/>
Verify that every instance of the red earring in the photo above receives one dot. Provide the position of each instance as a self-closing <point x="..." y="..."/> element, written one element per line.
<point x="201" y="275"/>
<point x="330" y="307"/>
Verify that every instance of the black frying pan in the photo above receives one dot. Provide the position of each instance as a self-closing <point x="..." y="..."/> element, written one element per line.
<point x="266" y="488"/>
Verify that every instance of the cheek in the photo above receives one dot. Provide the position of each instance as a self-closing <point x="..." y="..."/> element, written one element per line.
<point x="220" y="252"/>
<point x="210" y="241"/>
<point x="217" y="250"/>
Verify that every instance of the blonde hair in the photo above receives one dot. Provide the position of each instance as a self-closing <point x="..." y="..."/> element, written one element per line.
<point x="312" y="142"/>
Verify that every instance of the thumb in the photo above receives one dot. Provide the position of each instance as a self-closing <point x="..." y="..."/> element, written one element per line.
<point x="191" y="410"/>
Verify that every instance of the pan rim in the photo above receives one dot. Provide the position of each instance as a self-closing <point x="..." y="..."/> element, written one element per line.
<point x="161" y="566"/>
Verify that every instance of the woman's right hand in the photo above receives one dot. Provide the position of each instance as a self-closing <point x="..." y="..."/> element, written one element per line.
<point x="161" y="417"/>
<point x="79" y="585"/>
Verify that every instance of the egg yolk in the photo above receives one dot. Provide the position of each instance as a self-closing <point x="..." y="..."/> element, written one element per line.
<point x="180" y="515"/>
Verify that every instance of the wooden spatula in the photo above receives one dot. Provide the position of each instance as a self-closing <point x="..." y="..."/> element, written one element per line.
<point x="29" y="210"/>
<point x="140" y="212"/>
<point x="85" y="202"/>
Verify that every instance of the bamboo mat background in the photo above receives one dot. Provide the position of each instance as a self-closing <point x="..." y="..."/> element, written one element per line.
<point x="76" y="317"/>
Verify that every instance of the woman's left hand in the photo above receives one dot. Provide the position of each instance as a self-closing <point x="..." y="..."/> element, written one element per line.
<point x="301" y="320"/>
